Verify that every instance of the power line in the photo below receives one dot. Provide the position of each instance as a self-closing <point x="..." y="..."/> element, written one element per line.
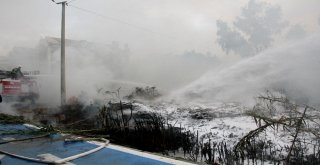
<point x="122" y="22"/>
<point x="71" y="1"/>
<point x="132" y="25"/>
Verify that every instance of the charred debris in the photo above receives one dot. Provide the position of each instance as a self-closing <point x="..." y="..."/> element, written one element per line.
<point x="121" y="123"/>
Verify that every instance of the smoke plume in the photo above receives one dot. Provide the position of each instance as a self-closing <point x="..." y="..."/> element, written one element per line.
<point x="292" y="68"/>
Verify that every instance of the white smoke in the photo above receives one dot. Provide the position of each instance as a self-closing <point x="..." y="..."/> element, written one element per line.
<point x="7" y="109"/>
<point x="293" y="67"/>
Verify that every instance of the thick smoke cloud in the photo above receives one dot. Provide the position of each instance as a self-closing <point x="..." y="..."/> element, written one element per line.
<point x="253" y="31"/>
<point x="179" y="49"/>
<point x="293" y="68"/>
<point x="181" y="24"/>
<point x="296" y="32"/>
<point x="92" y="66"/>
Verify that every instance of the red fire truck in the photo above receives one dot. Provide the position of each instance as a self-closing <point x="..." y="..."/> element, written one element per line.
<point x="14" y="86"/>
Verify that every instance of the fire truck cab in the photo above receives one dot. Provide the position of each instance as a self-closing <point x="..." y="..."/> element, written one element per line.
<point x="18" y="89"/>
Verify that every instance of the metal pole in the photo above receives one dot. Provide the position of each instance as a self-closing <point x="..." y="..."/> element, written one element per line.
<point x="63" y="71"/>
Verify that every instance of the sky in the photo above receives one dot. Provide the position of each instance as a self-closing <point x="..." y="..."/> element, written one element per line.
<point x="149" y="27"/>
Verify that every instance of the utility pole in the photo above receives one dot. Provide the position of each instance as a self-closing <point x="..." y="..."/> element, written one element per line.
<point x="63" y="62"/>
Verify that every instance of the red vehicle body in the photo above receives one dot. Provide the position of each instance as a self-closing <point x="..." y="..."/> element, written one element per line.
<point x="18" y="89"/>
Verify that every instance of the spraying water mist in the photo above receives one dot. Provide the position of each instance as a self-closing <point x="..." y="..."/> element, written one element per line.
<point x="292" y="68"/>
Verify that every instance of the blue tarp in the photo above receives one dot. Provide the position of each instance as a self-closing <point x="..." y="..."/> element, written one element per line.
<point x="56" y="146"/>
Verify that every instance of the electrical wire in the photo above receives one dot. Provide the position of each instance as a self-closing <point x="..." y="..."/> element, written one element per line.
<point x="70" y="1"/>
<point x="120" y="21"/>
<point x="134" y="26"/>
<point x="162" y="35"/>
